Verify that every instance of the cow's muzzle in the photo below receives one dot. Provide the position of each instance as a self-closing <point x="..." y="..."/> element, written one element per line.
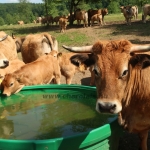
<point x="108" y="107"/>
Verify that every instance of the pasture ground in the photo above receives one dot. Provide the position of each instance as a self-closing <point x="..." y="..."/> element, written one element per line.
<point x="115" y="29"/>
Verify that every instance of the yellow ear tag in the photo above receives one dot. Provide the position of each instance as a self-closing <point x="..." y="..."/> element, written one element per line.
<point x="0" y="80"/>
<point x="82" y="67"/>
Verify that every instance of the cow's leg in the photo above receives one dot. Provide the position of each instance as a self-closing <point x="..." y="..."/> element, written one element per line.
<point x="68" y="79"/>
<point x="57" y="79"/>
<point x="103" y="20"/>
<point x="143" y="136"/>
<point x="144" y="18"/>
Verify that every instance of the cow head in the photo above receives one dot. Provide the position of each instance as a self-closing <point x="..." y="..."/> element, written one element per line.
<point x="104" y="11"/>
<point x="112" y="61"/>
<point x="11" y="84"/>
<point x="4" y="62"/>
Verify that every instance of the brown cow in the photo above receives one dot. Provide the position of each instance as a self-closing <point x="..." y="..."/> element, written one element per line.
<point x="122" y="79"/>
<point x="56" y="19"/>
<point x="92" y="12"/>
<point x="21" y="22"/>
<point x="41" y="71"/>
<point x="63" y="24"/>
<point x="36" y="45"/>
<point x="13" y="66"/>
<point x="67" y="69"/>
<point x="129" y="12"/>
<point x="96" y="17"/>
<point x="81" y="15"/>
<point x="146" y="11"/>
<point x="7" y="49"/>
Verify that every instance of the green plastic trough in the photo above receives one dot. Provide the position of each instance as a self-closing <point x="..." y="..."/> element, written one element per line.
<point x="105" y="137"/>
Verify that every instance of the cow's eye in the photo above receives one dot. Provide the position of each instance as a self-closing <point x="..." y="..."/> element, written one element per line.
<point x="125" y="72"/>
<point x="11" y="84"/>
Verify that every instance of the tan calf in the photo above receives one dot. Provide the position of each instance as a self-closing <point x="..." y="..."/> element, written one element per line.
<point x="13" y="66"/>
<point x="63" y="24"/>
<point x="41" y="71"/>
<point x="21" y="22"/>
<point x="98" y="18"/>
<point x="67" y="69"/>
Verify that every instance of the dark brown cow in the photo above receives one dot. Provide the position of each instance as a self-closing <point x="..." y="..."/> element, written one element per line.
<point x="92" y="12"/>
<point x="122" y="74"/>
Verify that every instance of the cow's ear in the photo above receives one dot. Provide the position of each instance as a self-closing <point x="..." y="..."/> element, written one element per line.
<point x="146" y="63"/>
<point x="19" y="89"/>
<point x="59" y="55"/>
<point x="86" y="59"/>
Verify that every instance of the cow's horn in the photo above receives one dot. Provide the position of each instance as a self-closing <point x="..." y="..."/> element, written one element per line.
<point x="140" y="48"/>
<point x="3" y="38"/>
<point x="82" y="49"/>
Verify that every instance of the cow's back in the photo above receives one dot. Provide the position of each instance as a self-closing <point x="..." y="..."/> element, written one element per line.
<point x="36" y="45"/>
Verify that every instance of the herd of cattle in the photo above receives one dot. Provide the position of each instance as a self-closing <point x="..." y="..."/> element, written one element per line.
<point x="90" y="16"/>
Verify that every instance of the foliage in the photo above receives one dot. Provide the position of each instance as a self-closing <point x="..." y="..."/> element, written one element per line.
<point x="1" y="21"/>
<point x="24" y="10"/>
<point x="113" y="7"/>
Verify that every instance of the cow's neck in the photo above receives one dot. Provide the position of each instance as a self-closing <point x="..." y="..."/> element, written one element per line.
<point x="136" y="100"/>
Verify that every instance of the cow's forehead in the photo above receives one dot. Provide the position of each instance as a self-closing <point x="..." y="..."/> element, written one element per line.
<point x="112" y="54"/>
<point x="118" y="46"/>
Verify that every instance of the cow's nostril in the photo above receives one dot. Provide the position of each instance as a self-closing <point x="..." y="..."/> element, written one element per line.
<point x="6" y="62"/>
<point x="107" y="107"/>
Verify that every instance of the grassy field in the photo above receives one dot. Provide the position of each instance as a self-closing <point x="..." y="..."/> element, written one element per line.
<point x="115" y="28"/>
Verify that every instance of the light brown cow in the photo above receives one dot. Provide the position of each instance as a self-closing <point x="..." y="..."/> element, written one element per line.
<point x="96" y="17"/>
<point x="81" y="15"/>
<point x="146" y="11"/>
<point x="63" y="24"/>
<point x="36" y="45"/>
<point x="41" y="71"/>
<point x="67" y="69"/>
<point x="122" y="79"/>
<point x="21" y="22"/>
<point x="129" y="12"/>
<point x="13" y="66"/>
<point x="7" y="49"/>
<point x="38" y="19"/>
<point x="102" y="12"/>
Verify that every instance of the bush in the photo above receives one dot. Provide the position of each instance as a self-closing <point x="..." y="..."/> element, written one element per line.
<point x="113" y="7"/>
<point x="2" y="22"/>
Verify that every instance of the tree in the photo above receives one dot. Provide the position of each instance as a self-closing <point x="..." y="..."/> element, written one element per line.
<point x="2" y="21"/>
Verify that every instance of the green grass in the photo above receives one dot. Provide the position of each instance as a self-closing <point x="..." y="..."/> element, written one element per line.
<point x="115" y="28"/>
